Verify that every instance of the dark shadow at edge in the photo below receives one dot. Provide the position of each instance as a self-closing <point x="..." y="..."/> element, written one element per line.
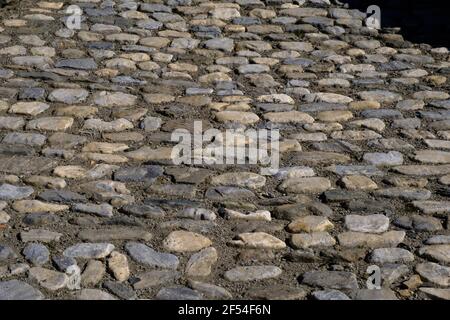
<point x="421" y="21"/>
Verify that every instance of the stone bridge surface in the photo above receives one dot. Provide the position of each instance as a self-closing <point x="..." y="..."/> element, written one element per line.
<point x="88" y="182"/>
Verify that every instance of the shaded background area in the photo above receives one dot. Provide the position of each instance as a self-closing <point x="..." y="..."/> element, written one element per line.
<point x="421" y="21"/>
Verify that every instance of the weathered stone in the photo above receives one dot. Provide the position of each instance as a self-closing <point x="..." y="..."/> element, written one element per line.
<point x="439" y="253"/>
<point x="357" y="182"/>
<point x="237" y="116"/>
<point x="183" y="241"/>
<point x="83" y="64"/>
<point x="89" y="250"/>
<point x="146" y="255"/>
<point x="433" y="207"/>
<point x="31" y="206"/>
<point x="94" y="294"/>
<point x="10" y="192"/>
<point x="258" y="240"/>
<point x="391" y="255"/>
<point x="200" y="264"/>
<point x="434" y="273"/>
<point x="7" y="253"/>
<point x="178" y="293"/>
<point x="116" y="99"/>
<point x="210" y="290"/>
<point x="310" y="224"/>
<point x="252" y="273"/>
<point x="36" y="253"/>
<point x="40" y="235"/>
<point x="118" y="264"/>
<point x="392" y="158"/>
<point x="431" y="156"/>
<point x="381" y="294"/>
<point x="356" y="239"/>
<point x="29" y="108"/>
<point x="438" y="294"/>
<point x="18" y="290"/>
<point x="331" y="279"/>
<point x="311" y="240"/>
<point x="69" y="96"/>
<point x="88" y="163"/>
<point x="48" y="279"/>
<point x="102" y="210"/>
<point x="240" y="179"/>
<point x="51" y="123"/>
<point x="376" y="223"/>
<point x="155" y="278"/>
<point x="404" y="193"/>
<point x="305" y="185"/>
<point x="330" y="294"/>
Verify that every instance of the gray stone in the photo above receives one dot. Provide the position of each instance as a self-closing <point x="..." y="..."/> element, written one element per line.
<point x="83" y="64"/>
<point x="197" y="214"/>
<point x="48" y="279"/>
<point x="228" y="193"/>
<point x="437" y="294"/>
<point x="6" y="253"/>
<point x="31" y="139"/>
<point x="102" y="210"/>
<point x="145" y="211"/>
<point x="376" y="223"/>
<point x="62" y="262"/>
<point x="404" y="193"/>
<point x="155" y="278"/>
<point x="224" y="44"/>
<point x="331" y="279"/>
<point x="40" y="235"/>
<point x="392" y="272"/>
<point x="120" y="289"/>
<point x="200" y="263"/>
<point x="392" y="158"/>
<point x="89" y="250"/>
<point x="209" y="290"/>
<point x="150" y="124"/>
<point x="11" y="192"/>
<point x="25" y="165"/>
<point x="18" y="290"/>
<point x="146" y="255"/>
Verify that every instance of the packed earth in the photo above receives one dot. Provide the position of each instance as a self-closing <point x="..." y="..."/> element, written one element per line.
<point x="88" y="182"/>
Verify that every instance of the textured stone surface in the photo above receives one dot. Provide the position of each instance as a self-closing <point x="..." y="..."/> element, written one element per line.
<point x="87" y="150"/>
<point x="18" y="290"/>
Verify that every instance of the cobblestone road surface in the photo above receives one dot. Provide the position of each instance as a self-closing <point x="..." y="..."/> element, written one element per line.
<point x="86" y="118"/>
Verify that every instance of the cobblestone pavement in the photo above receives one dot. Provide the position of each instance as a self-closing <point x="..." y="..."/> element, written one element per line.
<point x="86" y="174"/>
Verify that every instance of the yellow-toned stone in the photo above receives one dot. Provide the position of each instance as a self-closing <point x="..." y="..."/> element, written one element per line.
<point x="363" y="105"/>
